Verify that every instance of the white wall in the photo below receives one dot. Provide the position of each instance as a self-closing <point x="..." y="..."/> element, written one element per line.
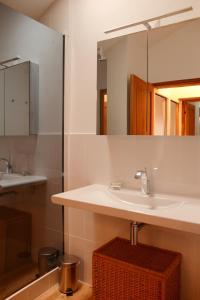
<point x="137" y="55"/>
<point x="173" y="52"/>
<point x="91" y="158"/>
<point x="117" y="88"/>
<point x="125" y="56"/>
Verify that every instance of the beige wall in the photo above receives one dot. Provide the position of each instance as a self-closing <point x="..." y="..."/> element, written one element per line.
<point x="92" y="159"/>
<point x="127" y="55"/>
<point x="117" y="88"/>
<point x="171" y="55"/>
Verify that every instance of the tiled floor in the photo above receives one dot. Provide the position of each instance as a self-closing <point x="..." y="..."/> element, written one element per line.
<point x="84" y="293"/>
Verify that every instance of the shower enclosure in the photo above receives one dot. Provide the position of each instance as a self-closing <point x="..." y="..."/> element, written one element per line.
<point x="31" y="147"/>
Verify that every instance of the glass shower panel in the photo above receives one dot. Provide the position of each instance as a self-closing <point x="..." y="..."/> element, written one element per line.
<point x="31" y="158"/>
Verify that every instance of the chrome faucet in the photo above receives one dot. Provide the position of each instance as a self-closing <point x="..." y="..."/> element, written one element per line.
<point x="145" y="182"/>
<point x="8" y="169"/>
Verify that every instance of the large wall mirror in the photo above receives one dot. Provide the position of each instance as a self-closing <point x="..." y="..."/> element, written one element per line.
<point x="148" y="83"/>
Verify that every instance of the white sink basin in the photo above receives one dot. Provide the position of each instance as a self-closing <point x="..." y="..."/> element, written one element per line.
<point x="172" y="211"/>
<point x="134" y="199"/>
<point x="4" y="176"/>
<point x="126" y="198"/>
<point x="12" y="180"/>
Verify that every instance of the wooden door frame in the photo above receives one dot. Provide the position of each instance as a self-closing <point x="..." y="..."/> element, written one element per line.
<point x="151" y="89"/>
<point x="165" y="98"/>
<point x="182" y="101"/>
<point x="150" y="107"/>
<point x="177" y="83"/>
<point x="103" y="92"/>
<point x="183" y="119"/>
<point x="132" y="107"/>
<point x="177" y="116"/>
<point x="191" y="99"/>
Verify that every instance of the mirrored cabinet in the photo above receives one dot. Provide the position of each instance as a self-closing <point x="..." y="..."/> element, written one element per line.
<point x="19" y="99"/>
<point x="148" y="83"/>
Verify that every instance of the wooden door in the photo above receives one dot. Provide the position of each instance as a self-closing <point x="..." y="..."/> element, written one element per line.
<point x="150" y="109"/>
<point x="188" y="119"/>
<point x="138" y="106"/>
<point x="174" y="118"/>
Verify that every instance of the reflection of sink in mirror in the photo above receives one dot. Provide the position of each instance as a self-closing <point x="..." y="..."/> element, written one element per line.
<point x="5" y="176"/>
<point x="136" y="199"/>
<point x="13" y="179"/>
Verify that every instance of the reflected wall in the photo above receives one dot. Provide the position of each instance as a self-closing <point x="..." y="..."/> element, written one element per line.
<point x="120" y="63"/>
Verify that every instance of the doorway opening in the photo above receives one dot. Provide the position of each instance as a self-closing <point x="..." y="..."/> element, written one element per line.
<point x="180" y="116"/>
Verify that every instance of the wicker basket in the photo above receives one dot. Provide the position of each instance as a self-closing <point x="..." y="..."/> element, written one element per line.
<point x="125" y="272"/>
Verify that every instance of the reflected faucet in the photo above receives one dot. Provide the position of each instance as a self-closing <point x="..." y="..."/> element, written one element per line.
<point x="145" y="182"/>
<point x="8" y="169"/>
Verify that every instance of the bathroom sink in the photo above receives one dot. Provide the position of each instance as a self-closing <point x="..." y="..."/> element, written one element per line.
<point x="135" y="199"/>
<point x="4" y="176"/>
<point x="12" y="180"/>
<point x="131" y="199"/>
<point x="171" y="211"/>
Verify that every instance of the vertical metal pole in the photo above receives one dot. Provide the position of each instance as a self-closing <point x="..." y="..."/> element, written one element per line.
<point x="134" y="233"/>
<point x="134" y="229"/>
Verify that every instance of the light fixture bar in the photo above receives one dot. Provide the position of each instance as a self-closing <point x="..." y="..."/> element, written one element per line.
<point x="144" y="22"/>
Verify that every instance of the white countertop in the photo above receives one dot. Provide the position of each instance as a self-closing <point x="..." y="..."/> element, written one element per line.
<point x="184" y="215"/>
<point x="14" y="180"/>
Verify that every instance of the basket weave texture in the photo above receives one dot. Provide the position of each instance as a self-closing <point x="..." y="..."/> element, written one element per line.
<point x="142" y="272"/>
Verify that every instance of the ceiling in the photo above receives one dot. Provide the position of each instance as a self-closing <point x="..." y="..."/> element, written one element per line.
<point x="31" y="8"/>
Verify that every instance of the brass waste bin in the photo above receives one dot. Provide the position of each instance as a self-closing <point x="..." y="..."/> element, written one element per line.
<point x="69" y="274"/>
